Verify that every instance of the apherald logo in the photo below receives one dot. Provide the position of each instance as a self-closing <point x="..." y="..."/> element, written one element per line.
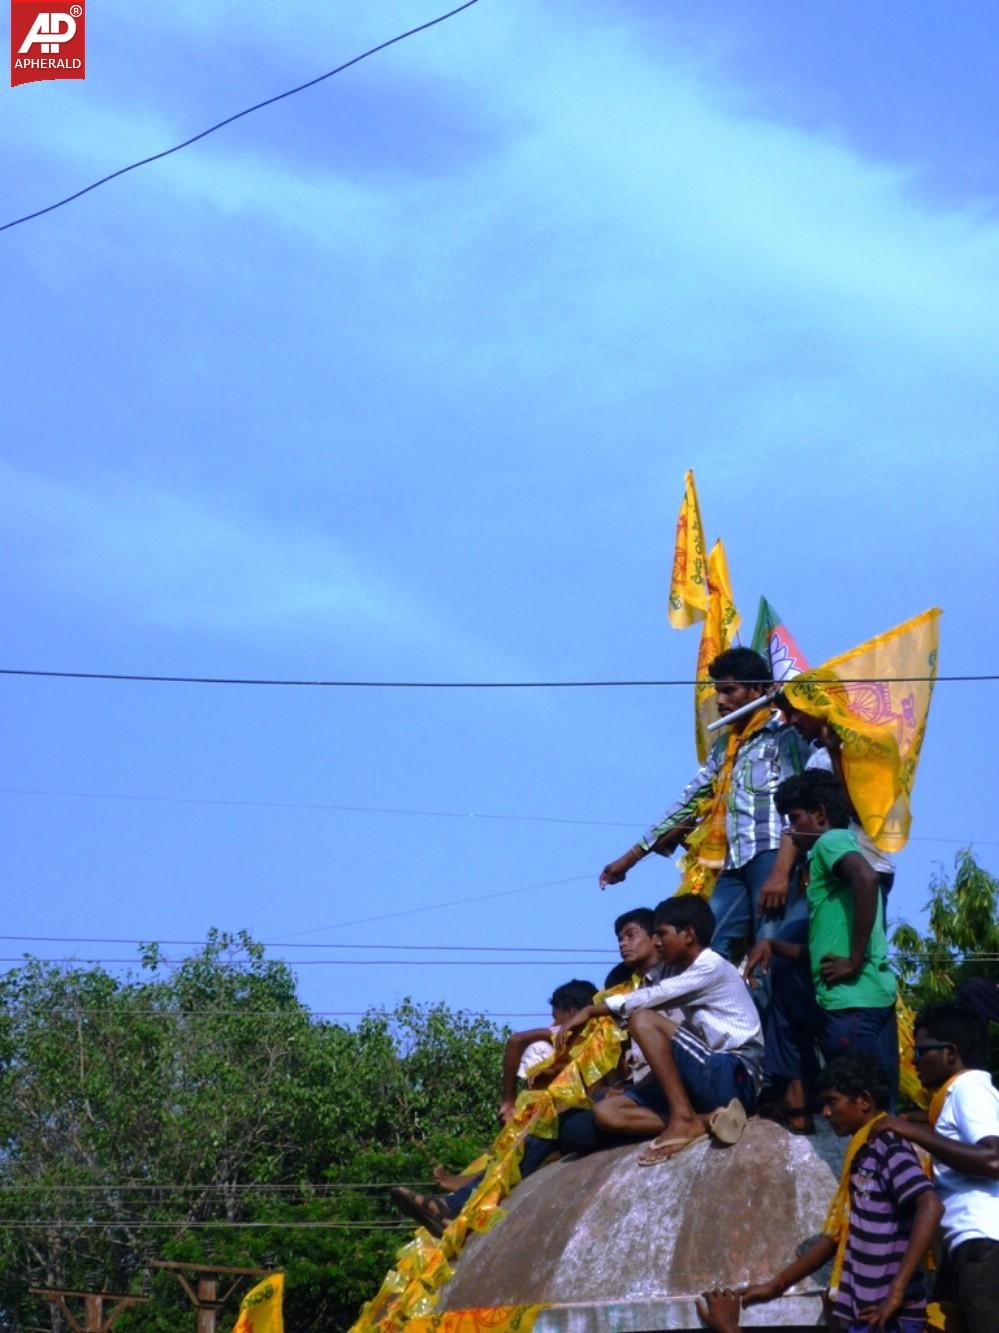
<point x="46" y="43"/>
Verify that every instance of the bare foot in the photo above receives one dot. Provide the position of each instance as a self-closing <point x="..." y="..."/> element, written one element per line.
<point x="448" y="1181"/>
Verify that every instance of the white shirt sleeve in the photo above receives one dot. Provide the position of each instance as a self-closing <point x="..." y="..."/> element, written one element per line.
<point x="670" y="991"/>
<point x="975" y="1108"/>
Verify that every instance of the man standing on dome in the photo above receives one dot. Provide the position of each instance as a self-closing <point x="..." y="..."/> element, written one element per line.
<point x="739" y="778"/>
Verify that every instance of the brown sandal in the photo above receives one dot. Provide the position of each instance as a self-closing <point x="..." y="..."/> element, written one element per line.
<point x="429" y="1210"/>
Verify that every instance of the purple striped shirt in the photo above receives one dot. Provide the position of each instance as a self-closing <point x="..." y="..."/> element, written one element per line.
<point x="887" y="1180"/>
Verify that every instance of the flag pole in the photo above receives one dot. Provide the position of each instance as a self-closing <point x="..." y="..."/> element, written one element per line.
<point x="741" y="712"/>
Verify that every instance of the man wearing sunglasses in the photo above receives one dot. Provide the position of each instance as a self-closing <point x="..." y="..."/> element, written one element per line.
<point x="963" y="1138"/>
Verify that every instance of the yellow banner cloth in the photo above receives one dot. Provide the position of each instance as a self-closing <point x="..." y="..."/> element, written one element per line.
<point x="707" y="846"/>
<point x="880" y="719"/>
<point x="408" y="1295"/>
<point x="717" y="632"/>
<point x="260" y="1310"/>
<point x="501" y="1319"/>
<point x="908" y="1080"/>
<point x="837" y="1223"/>
<point x="688" y="589"/>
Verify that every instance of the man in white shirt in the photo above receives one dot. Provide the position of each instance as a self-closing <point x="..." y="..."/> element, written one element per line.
<point x="963" y="1139"/>
<point x="700" y="1033"/>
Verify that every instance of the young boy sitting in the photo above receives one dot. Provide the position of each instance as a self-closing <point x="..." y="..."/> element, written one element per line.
<point x="699" y="1031"/>
<point x="838" y="988"/>
<point x="963" y="1138"/>
<point x="435" y="1211"/>
<point x="882" y="1219"/>
<point x="525" y="1050"/>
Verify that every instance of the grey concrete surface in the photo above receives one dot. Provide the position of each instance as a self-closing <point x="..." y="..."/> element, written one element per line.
<point x="619" y="1248"/>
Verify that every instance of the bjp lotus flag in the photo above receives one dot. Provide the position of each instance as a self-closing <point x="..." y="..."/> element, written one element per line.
<point x="720" y="624"/>
<point x="260" y="1309"/>
<point x="877" y="699"/>
<point x="688" y="589"/>
<point x="773" y="640"/>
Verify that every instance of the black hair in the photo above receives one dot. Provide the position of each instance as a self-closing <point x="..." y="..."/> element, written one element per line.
<point x="744" y="665"/>
<point x="811" y="789"/>
<point x="641" y="916"/>
<point x="574" y="994"/>
<point x="960" y="1027"/>
<point x="854" y="1074"/>
<point x="618" y="975"/>
<point x="687" y="912"/>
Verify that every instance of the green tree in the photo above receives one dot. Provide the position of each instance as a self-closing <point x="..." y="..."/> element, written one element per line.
<point x="143" y="1117"/>
<point x="963" y="936"/>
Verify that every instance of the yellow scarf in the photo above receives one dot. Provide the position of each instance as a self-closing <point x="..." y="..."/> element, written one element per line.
<point x="707" y="846"/>
<point x="939" y="1097"/>
<point x="837" y="1223"/>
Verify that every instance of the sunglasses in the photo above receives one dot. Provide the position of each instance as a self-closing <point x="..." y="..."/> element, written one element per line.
<point x="919" y="1051"/>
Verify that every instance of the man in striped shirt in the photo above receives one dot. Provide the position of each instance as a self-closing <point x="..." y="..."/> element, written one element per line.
<point x="891" y="1213"/>
<point x="754" y="881"/>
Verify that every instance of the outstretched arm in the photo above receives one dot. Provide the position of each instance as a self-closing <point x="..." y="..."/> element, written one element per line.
<point x="971" y="1159"/>
<point x="817" y="1254"/>
<point x="670" y="831"/>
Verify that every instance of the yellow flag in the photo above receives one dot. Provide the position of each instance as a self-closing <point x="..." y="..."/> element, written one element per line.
<point x="688" y="589"/>
<point x="720" y="623"/>
<point x="877" y="698"/>
<point x="260" y="1308"/>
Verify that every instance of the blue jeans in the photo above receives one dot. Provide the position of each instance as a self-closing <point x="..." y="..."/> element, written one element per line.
<point x="711" y="1078"/>
<point x="736" y="905"/>
<point x="795" y="1023"/>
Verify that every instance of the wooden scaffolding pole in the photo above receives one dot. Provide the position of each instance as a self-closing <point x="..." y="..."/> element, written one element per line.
<point x="94" y="1318"/>
<point x="204" y="1296"/>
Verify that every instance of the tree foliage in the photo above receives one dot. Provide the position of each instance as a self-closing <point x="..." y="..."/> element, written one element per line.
<point x="963" y="936"/>
<point x="139" y="1116"/>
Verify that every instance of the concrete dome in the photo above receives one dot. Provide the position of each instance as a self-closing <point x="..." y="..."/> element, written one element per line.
<point x="615" y="1247"/>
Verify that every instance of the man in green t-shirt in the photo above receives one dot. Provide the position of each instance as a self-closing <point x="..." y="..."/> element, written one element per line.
<point x="837" y="990"/>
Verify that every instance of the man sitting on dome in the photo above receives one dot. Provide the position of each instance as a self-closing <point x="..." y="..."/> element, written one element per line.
<point x="699" y="1031"/>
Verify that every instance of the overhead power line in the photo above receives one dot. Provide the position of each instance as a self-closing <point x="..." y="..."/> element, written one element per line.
<point x="420" y="948"/>
<point x="240" y="803"/>
<point x="247" y="111"/>
<point x="451" y="684"/>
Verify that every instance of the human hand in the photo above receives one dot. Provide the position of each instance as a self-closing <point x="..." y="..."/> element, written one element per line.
<point x="505" y="1113"/>
<point x="760" y="1291"/>
<point x="877" y="1316"/>
<point x="615" y="871"/>
<point x="760" y="956"/>
<point x="886" y="1124"/>
<point x="773" y="896"/>
<point x="567" y="1032"/>
<point x="720" y="1310"/>
<point x="833" y="969"/>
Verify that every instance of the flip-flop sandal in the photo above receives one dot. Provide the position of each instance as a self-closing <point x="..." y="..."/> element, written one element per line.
<point x="662" y="1151"/>
<point x="728" y="1122"/>
<point x="429" y="1212"/>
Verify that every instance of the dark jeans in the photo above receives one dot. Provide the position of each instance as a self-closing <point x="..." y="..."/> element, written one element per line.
<point x="796" y="1023"/>
<point x="735" y="902"/>
<point x="577" y="1132"/>
<point x="711" y="1078"/>
<point x="970" y="1276"/>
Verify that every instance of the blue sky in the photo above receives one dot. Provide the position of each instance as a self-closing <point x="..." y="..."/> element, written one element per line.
<point x="399" y="379"/>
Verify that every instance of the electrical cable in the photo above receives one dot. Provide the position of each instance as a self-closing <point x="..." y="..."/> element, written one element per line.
<point x="257" y="106"/>
<point x="239" y="803"/>
<point x="423" y="948"/>
<point x="452" y="684"/>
